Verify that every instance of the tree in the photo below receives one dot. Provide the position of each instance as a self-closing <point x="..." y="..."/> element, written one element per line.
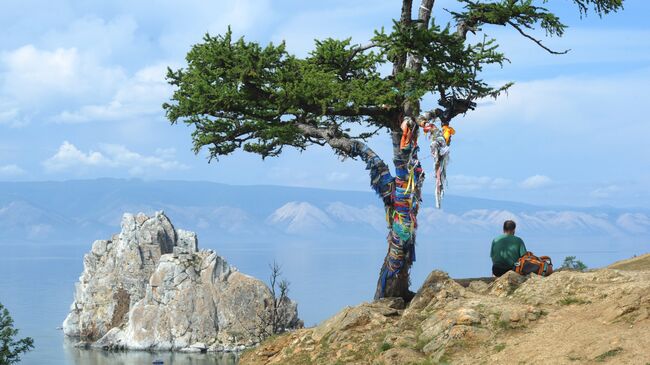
<point x="275" y="319"/>
<point x="278" y="315"/>
<point x="10" y="348"/>
<point x="239" y="94"/>
<point x="570" y="263"/>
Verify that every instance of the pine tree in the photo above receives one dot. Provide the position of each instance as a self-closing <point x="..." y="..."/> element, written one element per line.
<point x="10" y="347"/>
<point x="237" y="94"/>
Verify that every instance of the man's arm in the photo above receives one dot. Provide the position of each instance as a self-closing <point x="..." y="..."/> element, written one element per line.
<point x="522" y="248"/>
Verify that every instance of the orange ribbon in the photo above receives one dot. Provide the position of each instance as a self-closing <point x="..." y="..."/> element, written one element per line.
<point x="447" y="132"/>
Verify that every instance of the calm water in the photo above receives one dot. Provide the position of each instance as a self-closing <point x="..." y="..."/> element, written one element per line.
<point x="37" y="281"/>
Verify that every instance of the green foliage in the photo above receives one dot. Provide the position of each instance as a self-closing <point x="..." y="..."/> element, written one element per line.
<point x="601" y="7"/>
<point x="385" y="347"/>
<point x="571" y="263"/>
<point x="522" y="13"/>
<point x="239" y="94"/>
<point x="10" y="347"/>
<point x="525" y="14"/>
<point x="449" y="66"/>
<point x="499" y="347"/>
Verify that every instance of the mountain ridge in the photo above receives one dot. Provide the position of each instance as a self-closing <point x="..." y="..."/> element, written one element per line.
<point x="91" y="207"/>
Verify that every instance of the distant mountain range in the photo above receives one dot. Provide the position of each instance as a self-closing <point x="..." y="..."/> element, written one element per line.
<point x="84" y="210"/>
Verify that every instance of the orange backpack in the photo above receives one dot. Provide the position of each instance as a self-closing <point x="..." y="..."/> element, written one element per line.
<point x="530" y="263"/>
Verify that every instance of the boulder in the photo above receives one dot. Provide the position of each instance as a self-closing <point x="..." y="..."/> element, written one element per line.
<point x="151" y="288"/>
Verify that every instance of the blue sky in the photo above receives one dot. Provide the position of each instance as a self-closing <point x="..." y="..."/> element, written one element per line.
<point x="81" y="84"/>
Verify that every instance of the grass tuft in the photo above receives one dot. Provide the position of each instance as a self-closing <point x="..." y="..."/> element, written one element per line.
<point x="385" y="347"/>
<point x="504" y="325"/>
<point x="607" y="354"/>
<point x="568" y="300"/>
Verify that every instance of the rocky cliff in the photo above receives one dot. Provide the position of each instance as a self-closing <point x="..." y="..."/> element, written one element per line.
<point x="150" y="288"/>
<point x="601" y="316"/>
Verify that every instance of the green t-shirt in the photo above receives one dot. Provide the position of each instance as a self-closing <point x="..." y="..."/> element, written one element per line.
<point x="506" y="250"/>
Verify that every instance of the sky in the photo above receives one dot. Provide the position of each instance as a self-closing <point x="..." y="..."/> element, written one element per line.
<point x="82" y="83"/>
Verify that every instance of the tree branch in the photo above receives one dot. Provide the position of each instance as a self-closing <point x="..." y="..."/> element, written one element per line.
<point x="361" y="48"/>
<point x="340" y="143"/>
<point x="463" y="27"/>
<point x="539" y="43"/>
<point x="405" y="20"/>
<point x="366" y="135"/>
<point x="414" y="61"/>
<point x="476" y="65"/>
<point x="424" y="14"/>
<point x="380" y="177"/>
<point x="405" y="16"/>
<point x="370" y="111"/>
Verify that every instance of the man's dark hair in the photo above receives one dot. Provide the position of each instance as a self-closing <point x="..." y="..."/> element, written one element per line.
<point x="509" y="226"/>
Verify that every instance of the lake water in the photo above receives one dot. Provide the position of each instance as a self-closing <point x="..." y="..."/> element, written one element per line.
<point x="37" y="282"/>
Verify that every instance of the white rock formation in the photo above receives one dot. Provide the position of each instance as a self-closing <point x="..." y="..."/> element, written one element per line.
<point x="150" y="288"/>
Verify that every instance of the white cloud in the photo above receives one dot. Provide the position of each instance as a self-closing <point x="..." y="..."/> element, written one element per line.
<point x="139" y="164"/>
<point x="11" y="171"/>
<point x="167" y="153"/>
<point x="573" y="126"/>
<point x="77" y="73"/>
<point x="11" y="116"/>
<point x="464" y="182"/>
<point x="140" y="96"/>
<point x="536" y="182"/>
<point x="568" y="106"/>
<point x="82" y="65"/>
<point x="34" y="76"/>
<point x="586" y="44"/>
<point x="69" y="157"/>
<point x="97" y="36"/>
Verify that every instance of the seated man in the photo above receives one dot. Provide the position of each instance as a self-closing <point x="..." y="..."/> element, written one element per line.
<point x="506" y="249"/>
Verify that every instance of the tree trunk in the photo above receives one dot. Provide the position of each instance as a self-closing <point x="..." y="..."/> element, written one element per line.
<point x="394" y="276"/>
